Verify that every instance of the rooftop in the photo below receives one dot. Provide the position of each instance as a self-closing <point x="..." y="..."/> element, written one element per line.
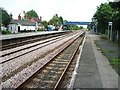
<point x="22" y="22"/>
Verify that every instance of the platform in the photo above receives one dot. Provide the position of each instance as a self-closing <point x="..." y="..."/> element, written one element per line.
<point x="20" y="35"/>
<point x="94" y="70"/>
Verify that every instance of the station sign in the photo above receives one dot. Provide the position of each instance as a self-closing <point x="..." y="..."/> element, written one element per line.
<point x="110" y="23"/>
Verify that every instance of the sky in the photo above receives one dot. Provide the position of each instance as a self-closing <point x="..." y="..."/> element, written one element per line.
<point x="71" y="10"/>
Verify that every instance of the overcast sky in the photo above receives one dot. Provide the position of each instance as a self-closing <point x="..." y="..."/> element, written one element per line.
<point x="71" y="10"/>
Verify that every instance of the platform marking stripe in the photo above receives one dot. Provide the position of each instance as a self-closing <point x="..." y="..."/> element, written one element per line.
<point x="70" y="86"/>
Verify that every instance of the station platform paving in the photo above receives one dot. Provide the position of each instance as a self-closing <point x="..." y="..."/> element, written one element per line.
<point x="94" y="71"/>
<point x="20" y="35"/>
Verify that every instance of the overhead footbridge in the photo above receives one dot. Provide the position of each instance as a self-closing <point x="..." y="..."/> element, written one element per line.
<point x="77" y="23"/>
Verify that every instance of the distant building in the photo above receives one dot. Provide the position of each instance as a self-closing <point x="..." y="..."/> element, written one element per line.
<point x="16" y="26"/>
<point x="35" y="20"/>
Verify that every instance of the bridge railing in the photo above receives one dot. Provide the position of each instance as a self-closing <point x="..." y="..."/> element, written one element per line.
<point x="77" y="23"/>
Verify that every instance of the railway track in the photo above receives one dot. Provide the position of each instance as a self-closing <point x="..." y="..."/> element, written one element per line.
<point x="20" y="68"/>
<point x="52" y="73"/>
<point x="16" y="57"/>
<point x="23" y="41"/>
<point x="17" y="52"/>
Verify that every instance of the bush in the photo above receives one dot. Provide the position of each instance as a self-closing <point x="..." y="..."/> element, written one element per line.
<point x="40" y="29"/>
<point x="6" y="32"/>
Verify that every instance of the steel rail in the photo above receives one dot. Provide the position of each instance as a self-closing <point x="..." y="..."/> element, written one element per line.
<point x="1" y="62"/>
<point x="7" y="75"/>
<point x="65" y="70"/>
<point x="27" y="51"/>
<point x="12" y="45"/>
<point x="8" y="53"/>
<point x="68" y="44"/>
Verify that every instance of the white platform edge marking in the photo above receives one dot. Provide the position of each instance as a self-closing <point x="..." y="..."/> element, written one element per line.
<point x="70" y="86"/>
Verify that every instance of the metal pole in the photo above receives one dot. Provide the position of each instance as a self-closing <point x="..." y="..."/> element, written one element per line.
<point x="110" y="30"/>
<point x="111" y="34"/>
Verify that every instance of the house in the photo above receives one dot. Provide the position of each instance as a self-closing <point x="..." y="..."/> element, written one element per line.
<point x="36" y="19"/>
<point x="19" y="25"/>
<point x="16" y="26"/>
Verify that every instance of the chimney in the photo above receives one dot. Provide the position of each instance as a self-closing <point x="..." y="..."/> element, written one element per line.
<point x="40" y="18"/>
<point x="27" y="17"/>
<point x="24" y="12"/>
<point x="24" y="17"/>
<point x="19" y="17"/>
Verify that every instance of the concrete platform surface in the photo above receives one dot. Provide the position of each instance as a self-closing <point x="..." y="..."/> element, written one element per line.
<point x="94" y="71"/>
<point x="18" y="35"/>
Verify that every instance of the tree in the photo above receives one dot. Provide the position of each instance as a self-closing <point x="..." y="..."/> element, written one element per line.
<point x="64" y="21"/>
<point x="5" y="17"/>
<point x="0" y="19"/>
<point x="56" y="20"/>
<point x="116" y="21"/>
<point x="60" y="20"/>
<point x="45" y="24"/>
<point x="109" y="12"/>
<point x="103" y="16"/>
<point x="32" y="14"/>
